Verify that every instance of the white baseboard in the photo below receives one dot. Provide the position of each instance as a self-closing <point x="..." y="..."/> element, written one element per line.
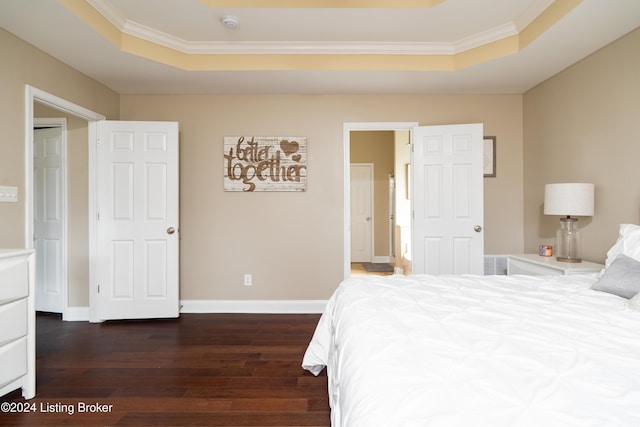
<point x="253" y="306"/>
<point x="81" y="314"/>
<point x="76" y="314"/>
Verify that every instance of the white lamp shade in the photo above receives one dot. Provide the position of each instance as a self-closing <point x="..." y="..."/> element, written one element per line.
<point x="569" y="199"/>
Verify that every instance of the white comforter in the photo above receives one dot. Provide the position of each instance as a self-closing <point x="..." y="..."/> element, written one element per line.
<point x="478" y="351"/>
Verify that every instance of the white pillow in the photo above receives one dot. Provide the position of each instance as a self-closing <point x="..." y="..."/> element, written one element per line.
<point x="628" y="244"/>
<point x="634" y="303"/>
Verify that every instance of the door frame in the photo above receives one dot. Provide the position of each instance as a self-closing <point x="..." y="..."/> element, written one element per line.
<point x="347" y="127"/>
<point x="392" y="219"/>
<point x="32" y="95"/>
<point x="61" y="123"/>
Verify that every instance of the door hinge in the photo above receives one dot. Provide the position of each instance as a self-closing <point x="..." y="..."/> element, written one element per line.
<point x="98" y="288"/>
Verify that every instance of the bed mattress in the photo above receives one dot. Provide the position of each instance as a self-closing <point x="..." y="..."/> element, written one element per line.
<point x="478" y="351"/>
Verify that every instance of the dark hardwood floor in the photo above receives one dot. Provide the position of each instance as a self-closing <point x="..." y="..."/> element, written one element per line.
<point x="198" y="370"/>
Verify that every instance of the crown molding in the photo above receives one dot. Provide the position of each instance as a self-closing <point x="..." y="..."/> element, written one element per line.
<point x="136" y="39"/>
<point x="106" y="9"/>
<point x="532" y="12"/>
<point x="322" y="4"/>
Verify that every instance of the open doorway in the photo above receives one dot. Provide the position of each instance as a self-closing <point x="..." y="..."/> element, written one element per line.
<point x="372" y="166"/>
<point x="386" y="146"/>
<point x="61" y="219"/>
<point x="35" y="100"/>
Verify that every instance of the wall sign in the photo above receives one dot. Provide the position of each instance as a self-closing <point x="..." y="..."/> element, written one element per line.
<point x="271" y="163"/>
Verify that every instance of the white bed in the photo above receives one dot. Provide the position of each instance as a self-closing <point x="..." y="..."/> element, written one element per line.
<point x="478" y="351"/>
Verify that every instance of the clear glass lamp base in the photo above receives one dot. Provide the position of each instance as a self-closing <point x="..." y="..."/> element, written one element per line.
<point x="568" y="241"/>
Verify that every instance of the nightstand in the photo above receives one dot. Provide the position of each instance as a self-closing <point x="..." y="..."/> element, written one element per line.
<point x="536" y="265"/>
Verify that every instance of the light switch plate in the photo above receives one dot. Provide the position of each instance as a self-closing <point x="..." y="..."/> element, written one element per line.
<point x="8" y="194"/>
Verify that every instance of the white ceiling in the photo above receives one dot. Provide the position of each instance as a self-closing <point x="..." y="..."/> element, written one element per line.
<point x="194" y="26"/>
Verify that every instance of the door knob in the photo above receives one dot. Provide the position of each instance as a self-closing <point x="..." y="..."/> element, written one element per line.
<point x="477" y="228"/>
<point x="368" y="218"/>
<point x="171" y="230"/>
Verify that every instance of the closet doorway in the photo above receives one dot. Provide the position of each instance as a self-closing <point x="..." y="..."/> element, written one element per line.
<point x="386" y="147"/>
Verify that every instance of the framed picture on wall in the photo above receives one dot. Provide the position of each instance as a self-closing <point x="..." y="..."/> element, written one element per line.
<point x="489" y="162"/>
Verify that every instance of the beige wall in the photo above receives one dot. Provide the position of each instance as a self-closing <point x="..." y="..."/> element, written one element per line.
<point x="377" y="147"/>
<point x="582" y="126"/>
<point x="22" y="65"/>
<point x="292" y="243"/>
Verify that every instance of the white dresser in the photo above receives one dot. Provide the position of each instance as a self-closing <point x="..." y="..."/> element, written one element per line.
<point x="536" y="265"/>
<point x="17" y="322"/>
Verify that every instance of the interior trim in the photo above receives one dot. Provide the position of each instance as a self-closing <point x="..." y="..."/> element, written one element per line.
<point x="506" y="39"/>
<point x="32" y="95"/>
<point x="320" y="4"/>
<point x="82" y="314"/>
<point x="347" y="127"/>
<point x="253" y="306"/>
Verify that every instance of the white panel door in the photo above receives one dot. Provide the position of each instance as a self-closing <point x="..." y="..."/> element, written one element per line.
<point x="361" y="212"/>
<point x="138" y="242"/>
<point x="448" y="199"/>
<point x="48" y="224"/>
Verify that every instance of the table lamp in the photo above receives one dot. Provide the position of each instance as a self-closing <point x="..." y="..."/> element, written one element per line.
<point x="568" y="199"/>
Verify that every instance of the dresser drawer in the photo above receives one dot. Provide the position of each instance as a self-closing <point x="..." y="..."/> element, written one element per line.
<point x="13" y="361"/>
<point x="14" y="279"/>
<point x="13" y="317"/>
